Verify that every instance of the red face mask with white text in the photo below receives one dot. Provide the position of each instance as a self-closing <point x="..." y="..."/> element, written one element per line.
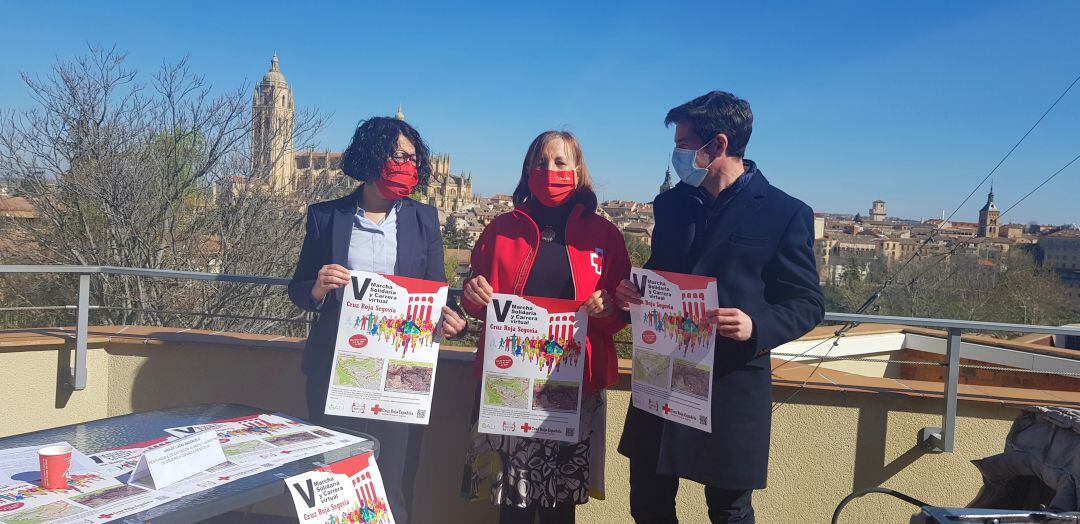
<point x="398" y="180"/>
<point x="551" y="188"/>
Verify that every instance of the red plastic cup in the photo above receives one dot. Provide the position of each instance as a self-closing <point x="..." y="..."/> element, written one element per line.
<point x="55" y="462"/>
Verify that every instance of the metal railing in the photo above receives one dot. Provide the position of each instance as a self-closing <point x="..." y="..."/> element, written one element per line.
<point x="934" y="439"/>
<point x="77" y="375"/>
<point x="943" y="439"/>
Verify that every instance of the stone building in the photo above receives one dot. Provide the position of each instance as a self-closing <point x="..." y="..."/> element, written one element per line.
<point x="287" y="170"/>
<point x="877" y="211"/>
<point x="273" y="140"/>
<point x="445" y="190"/>
<point x="1061" y="252"/>
<point x="988" y="217"/>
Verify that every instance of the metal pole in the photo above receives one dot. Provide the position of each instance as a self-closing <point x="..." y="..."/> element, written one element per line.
<point x="938" y="440"/>
<point x="952" y="378"/>
<point x="78" y="369"/>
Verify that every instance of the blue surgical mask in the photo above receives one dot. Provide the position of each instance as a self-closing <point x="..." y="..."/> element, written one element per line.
<point x="684" y="161"/>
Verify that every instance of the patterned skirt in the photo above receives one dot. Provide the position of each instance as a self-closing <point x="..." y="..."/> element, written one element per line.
<point x="523" y="472"/>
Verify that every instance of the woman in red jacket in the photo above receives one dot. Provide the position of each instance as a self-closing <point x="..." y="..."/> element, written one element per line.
<point x="553" y="244"/>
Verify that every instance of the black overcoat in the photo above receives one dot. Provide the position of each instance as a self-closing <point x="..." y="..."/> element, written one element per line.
<point x="760" y="249"/>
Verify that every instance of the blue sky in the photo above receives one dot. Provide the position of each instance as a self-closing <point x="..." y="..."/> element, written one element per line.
<point x="911" y="102"/>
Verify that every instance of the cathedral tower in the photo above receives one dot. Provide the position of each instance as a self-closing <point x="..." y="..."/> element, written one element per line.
<point x="667" y="181"/>
<point x="988" y="217"/>
<point x="273" y="147"/>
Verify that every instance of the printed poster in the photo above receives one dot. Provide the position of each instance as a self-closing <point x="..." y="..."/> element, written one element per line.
<point x="673" y="350"/>
<point x="387" y="348"/>
<point x="347" y="491"/>
<point x="268" y="439"/>
<point x="534" y="357"/>
<point x="25" y="502"/>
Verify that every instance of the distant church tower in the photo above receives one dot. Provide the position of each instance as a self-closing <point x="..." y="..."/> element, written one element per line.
<point x="988" y="217"/>
<point x="877" y="211"/>
<point x="273" y="147"/>
<point x="667" y="181"/>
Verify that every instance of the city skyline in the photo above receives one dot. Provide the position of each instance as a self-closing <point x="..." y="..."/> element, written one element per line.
<point x="908" y="105"/>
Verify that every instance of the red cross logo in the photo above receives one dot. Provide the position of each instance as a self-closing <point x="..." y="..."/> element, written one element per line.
<point x="105" y="516"/>
<point x="666" y="409"/>
<point x="596" y="258"/>
<point x="223" y="478"/>
<point x="376" y="409"/>
<point x="286" y="452"/>
<point x="526" y="427"/>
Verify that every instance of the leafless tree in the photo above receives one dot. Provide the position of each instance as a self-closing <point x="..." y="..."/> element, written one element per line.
<point x="154" y="173"/>
<point x="1012" y="289"/>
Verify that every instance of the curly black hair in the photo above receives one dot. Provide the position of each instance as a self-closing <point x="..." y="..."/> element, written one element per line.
<point x="718" y="112"/>
<point x="375" y="141"/>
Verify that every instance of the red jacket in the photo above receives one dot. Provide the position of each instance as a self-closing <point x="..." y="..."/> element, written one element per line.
<point x="504" y="255"/>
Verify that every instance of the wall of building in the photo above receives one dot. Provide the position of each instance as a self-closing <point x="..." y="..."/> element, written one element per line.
<point x="824" y="445"/>
<point x="29" y="378"/>
<point x="983" y="377"/>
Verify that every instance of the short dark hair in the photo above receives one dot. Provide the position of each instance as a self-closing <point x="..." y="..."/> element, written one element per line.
<point x="374" y="141"/>
<point x="714" y="113"/>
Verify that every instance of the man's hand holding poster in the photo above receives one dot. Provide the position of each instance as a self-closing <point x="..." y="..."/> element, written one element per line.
<point x="673" y="346"/>
<point x="534" y="357"/>
<point x="387" y="348"/>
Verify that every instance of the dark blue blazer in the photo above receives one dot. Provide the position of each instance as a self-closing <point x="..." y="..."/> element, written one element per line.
<point x="329" y="229"/>
<point x="760" y="249"/>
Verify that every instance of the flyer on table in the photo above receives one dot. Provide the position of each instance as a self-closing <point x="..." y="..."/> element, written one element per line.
<point x="350" y="490"/>
<point x="534" y="357"/>
<point x="673" y="348"/>
<point x="99" y="483"/>
<point x="387" y="349"/>
<point x="268" y="438"/>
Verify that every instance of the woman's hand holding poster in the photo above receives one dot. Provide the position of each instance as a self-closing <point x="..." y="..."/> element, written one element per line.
<point x="534" y="357"/>
<point x="673" y="346"/>
<point x="387" y="348"/>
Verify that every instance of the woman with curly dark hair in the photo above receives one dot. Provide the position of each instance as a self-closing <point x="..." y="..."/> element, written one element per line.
<point x="377" y="228"/>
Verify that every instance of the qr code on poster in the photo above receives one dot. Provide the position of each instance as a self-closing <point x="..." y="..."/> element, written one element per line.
<point x="703" y="420"/>
<point x="570" y="432"/>
<point x="421" y="413"/>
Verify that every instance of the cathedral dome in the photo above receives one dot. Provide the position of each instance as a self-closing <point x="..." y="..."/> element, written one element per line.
<point x="274" y="76"/>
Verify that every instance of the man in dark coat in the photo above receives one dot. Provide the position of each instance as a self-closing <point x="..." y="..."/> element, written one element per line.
<point x="724" y="220"/>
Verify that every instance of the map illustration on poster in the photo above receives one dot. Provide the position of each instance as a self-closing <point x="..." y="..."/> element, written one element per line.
<point x="534" y="357"/>
<point x="387" y="348"/>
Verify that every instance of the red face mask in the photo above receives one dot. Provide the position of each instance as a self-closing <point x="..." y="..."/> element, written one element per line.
<point x="398" y="180"/>
<point x="551" y="188"/>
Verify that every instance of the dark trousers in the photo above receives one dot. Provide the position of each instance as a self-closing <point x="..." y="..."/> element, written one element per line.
<point x="399" y="447"/>
<point x="560" y="514"/>
<point x="652" y="498"/>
